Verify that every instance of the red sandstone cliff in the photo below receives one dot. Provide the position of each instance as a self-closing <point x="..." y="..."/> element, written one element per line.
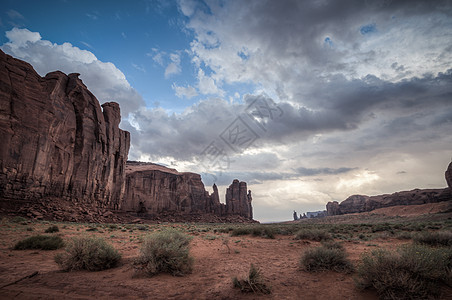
<point x="65" y="156"/>
<point x="154" y="190"/>
<point x="56" y="140"/>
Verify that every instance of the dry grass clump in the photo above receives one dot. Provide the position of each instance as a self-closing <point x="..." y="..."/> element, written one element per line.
<point x="165" y="252"/>
<point x="330" y="256"/>
<point x="42" y="242"/>
<point x="313" y="235"/>
<point x="411" y="272"/>
<point x="254" y="283"/>
<point x="88" y="253"/>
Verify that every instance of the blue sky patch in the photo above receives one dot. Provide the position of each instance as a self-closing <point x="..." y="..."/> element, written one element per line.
<point x="369" y="28"/>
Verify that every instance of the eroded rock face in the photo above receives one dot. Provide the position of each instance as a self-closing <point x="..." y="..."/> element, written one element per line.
<point x="56" y="140"/>
<point x="362" y="203"/>
<point x="154" y="190"/>
<point x="238" y="200"/>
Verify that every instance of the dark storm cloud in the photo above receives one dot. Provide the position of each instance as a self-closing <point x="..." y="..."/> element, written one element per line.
<point x="342" y="105"/>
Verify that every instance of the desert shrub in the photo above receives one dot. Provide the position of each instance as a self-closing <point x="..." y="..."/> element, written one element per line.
<point x="404" y="235"/>
<point x="330" y="244"/>
<point x="241" y="231"/>
<point x="165" y="252"/>
<point x="264" y="231"/>
<point x="42" y="242"/>
<point x="254" y="283"/>
<point x="440" y="238"/>
<point x="411" y="272"/>
<point x="313" y="235"/>
<point x="324" y="258"/>
<point x="88" y="253"/>
<point x="52" y="229"/>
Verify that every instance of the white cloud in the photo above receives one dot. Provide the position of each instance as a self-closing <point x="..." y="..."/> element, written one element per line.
<point x="173" y="67"/>
<point x="103" y="79"/>
<point x="207" y="85"/>
<point x="185" y="91"/>
<point x="19" y="37"/>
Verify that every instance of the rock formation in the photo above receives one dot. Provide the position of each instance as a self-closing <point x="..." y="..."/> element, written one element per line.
<point x="63" y="157"/>
<point x="362" y="203"/>
<point x="154" y="190"/>
<point x="238" y="200"/>
<point x="449" y="176"/>
<point x="56" y="140"/>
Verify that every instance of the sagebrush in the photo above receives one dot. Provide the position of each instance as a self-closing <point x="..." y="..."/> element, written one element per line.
<point x="411" y="272"/>
<point x="88" y="253"/>
<point x="165" y="252"/>
<point x="331" y="256"/>
<point x="313" y="235"/>
<point x="43" y="242"/>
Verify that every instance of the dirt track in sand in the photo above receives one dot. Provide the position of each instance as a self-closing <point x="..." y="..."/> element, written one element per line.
<point x="214" y="268"/>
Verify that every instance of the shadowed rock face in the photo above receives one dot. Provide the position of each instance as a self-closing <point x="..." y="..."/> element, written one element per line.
<point x="154" y="189"/>
<point x="56" y="140"/>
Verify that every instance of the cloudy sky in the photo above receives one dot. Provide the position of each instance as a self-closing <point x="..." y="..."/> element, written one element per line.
<point x="307" y="101"/>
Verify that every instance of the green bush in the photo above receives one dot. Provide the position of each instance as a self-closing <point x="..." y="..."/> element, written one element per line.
<point x="326" y="258"/>
<point x="42" y="242"/>
<point x="411" y="272"/>
<point x="439" y="238"/>
<point x="52" y="229"/>
<point x="88" y="253"/>
<point x="253" y="284"/>
<point x="165" y="252"/>
<point x="313" y="235"/>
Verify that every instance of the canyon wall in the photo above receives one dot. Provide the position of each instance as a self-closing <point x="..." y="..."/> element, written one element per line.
<point x="56" y="140"/>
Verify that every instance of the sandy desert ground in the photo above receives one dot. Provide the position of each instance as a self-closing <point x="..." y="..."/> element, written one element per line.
<point x="215" y="265"/>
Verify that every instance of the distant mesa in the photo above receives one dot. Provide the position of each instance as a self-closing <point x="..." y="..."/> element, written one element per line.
<point x="363" y="203"/>
<point x="64" y="157"/>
